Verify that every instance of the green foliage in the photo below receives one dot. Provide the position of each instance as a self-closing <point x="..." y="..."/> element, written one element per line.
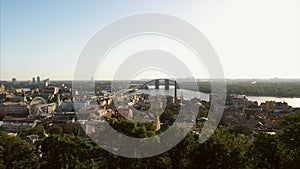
<point x="16" y="153"/>
<point x="279" y="89"/>
<point x="290" y="140"/>
<point x="181" y="156"/>
<point x="291" y="130"/>
<point x="71" y="128"/>
<point x="226" y="148"/>
<point x="33" y="131"/>
<point x="264" y="152"/>
<point x="65" y="152"/>
<point x="241" y="130"/>
<point x="167" y="116"/>
<point x="260" y="88"/>
<point x="222" y="150"/>
<point x="55" y="129"/>
<point x="278" y="151"/>
<point x="131" y="128"/>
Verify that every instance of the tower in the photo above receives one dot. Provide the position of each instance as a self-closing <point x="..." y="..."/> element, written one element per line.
<point x="175" y="92"/>
<point x="130" y="114"/>
<point x="157" y="124"/>
<point x="156" y="84"/>
<point x="157" y="121"/>
<point x="38" y="79"/>
<point x="58" y="101"/>
<point x="167" y="84"/>
<point x="13" y="80"/>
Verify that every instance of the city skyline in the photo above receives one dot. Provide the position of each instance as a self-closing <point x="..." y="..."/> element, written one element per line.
<point x="150" y="84"/>
<point x="253" y="39"/>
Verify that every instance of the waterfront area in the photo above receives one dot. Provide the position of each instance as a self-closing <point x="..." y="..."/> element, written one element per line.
<point x="44" y="113"/>
<point x="41" y="102"/>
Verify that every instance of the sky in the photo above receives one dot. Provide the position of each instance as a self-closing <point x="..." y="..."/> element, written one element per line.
<point x="252" y="38"/>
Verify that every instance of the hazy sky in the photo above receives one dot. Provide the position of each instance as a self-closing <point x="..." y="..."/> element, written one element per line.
<point x="253" y="38"/>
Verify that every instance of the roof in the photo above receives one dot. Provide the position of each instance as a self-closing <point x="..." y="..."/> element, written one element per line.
<point x="13" y="103"/>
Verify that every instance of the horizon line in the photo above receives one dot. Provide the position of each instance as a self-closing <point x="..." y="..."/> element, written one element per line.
<point x="26" y="80"/>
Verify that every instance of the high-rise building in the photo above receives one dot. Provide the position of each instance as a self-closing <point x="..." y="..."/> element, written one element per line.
<point x="13" y="80"/>
<point x="38" y="79"/>
<point x="33" y="80"/>
<point x="46" y="82"/>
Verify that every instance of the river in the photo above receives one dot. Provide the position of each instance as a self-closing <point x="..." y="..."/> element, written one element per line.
<point x="294" y="102"/>
<point x="188" y="94"/>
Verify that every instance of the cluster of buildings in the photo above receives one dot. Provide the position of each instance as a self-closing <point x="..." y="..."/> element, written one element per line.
<point x="258" y="117"/>
<point x="33" y="81"/>
<point x="132" y="105"/>
<point x="25" y="105"/>
<point x="31" y="104"/>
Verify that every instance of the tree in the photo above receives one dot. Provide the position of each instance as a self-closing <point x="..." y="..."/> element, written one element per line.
<point x="36" y="131"/>
<point x="55" y="129"/>
<point x="181" y="155"/>
<point x="131" y="128"/>
<point x="72" y="128"/>
<point x="222" y="150"/>
<point x="241" y="129"/>
<point x="264" y="152"/>
<point x="167" y="116"/>
<point x="290" y="138"/>
<point x="66" y="151"/>
<point x="16" y="153"/>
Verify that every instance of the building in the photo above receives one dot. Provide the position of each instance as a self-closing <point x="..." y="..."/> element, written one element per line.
<point x="13" y="80"/>
<point x="283" y="106"/>
<point x="51" y="90"/>
<point x="2" y="97"/>
<point x="64" y="116"/>
<point x="46" y="82"/>
<point x="237" y="100"/>
<point x="38" y="79"/>
<point x="33" y="80"/>
<point x="270" y="105"/>
<point x="66" y="91"/>
<point x="14" y="109"/>
<point x="2" y="88"/>
<point x="19" y="125"/>
<point x="19" y="90"/>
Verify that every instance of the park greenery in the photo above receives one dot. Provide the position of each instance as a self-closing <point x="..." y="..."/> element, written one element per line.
<point x="59" y="147"/>
<point x="275" y="88"/>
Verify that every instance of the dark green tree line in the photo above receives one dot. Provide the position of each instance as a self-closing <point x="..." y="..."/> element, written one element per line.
<point x="226" y="148"/>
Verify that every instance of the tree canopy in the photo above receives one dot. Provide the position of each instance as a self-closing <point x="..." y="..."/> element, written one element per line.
<point x="226" y="148"/>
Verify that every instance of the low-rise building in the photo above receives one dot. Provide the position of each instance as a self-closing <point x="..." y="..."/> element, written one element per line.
<point x="237" y="100"/>
<point x="19" y="125"/>
<point x="14" y="109"/>
<point x="50" y="89"/>
<point x="2" y="97"/>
